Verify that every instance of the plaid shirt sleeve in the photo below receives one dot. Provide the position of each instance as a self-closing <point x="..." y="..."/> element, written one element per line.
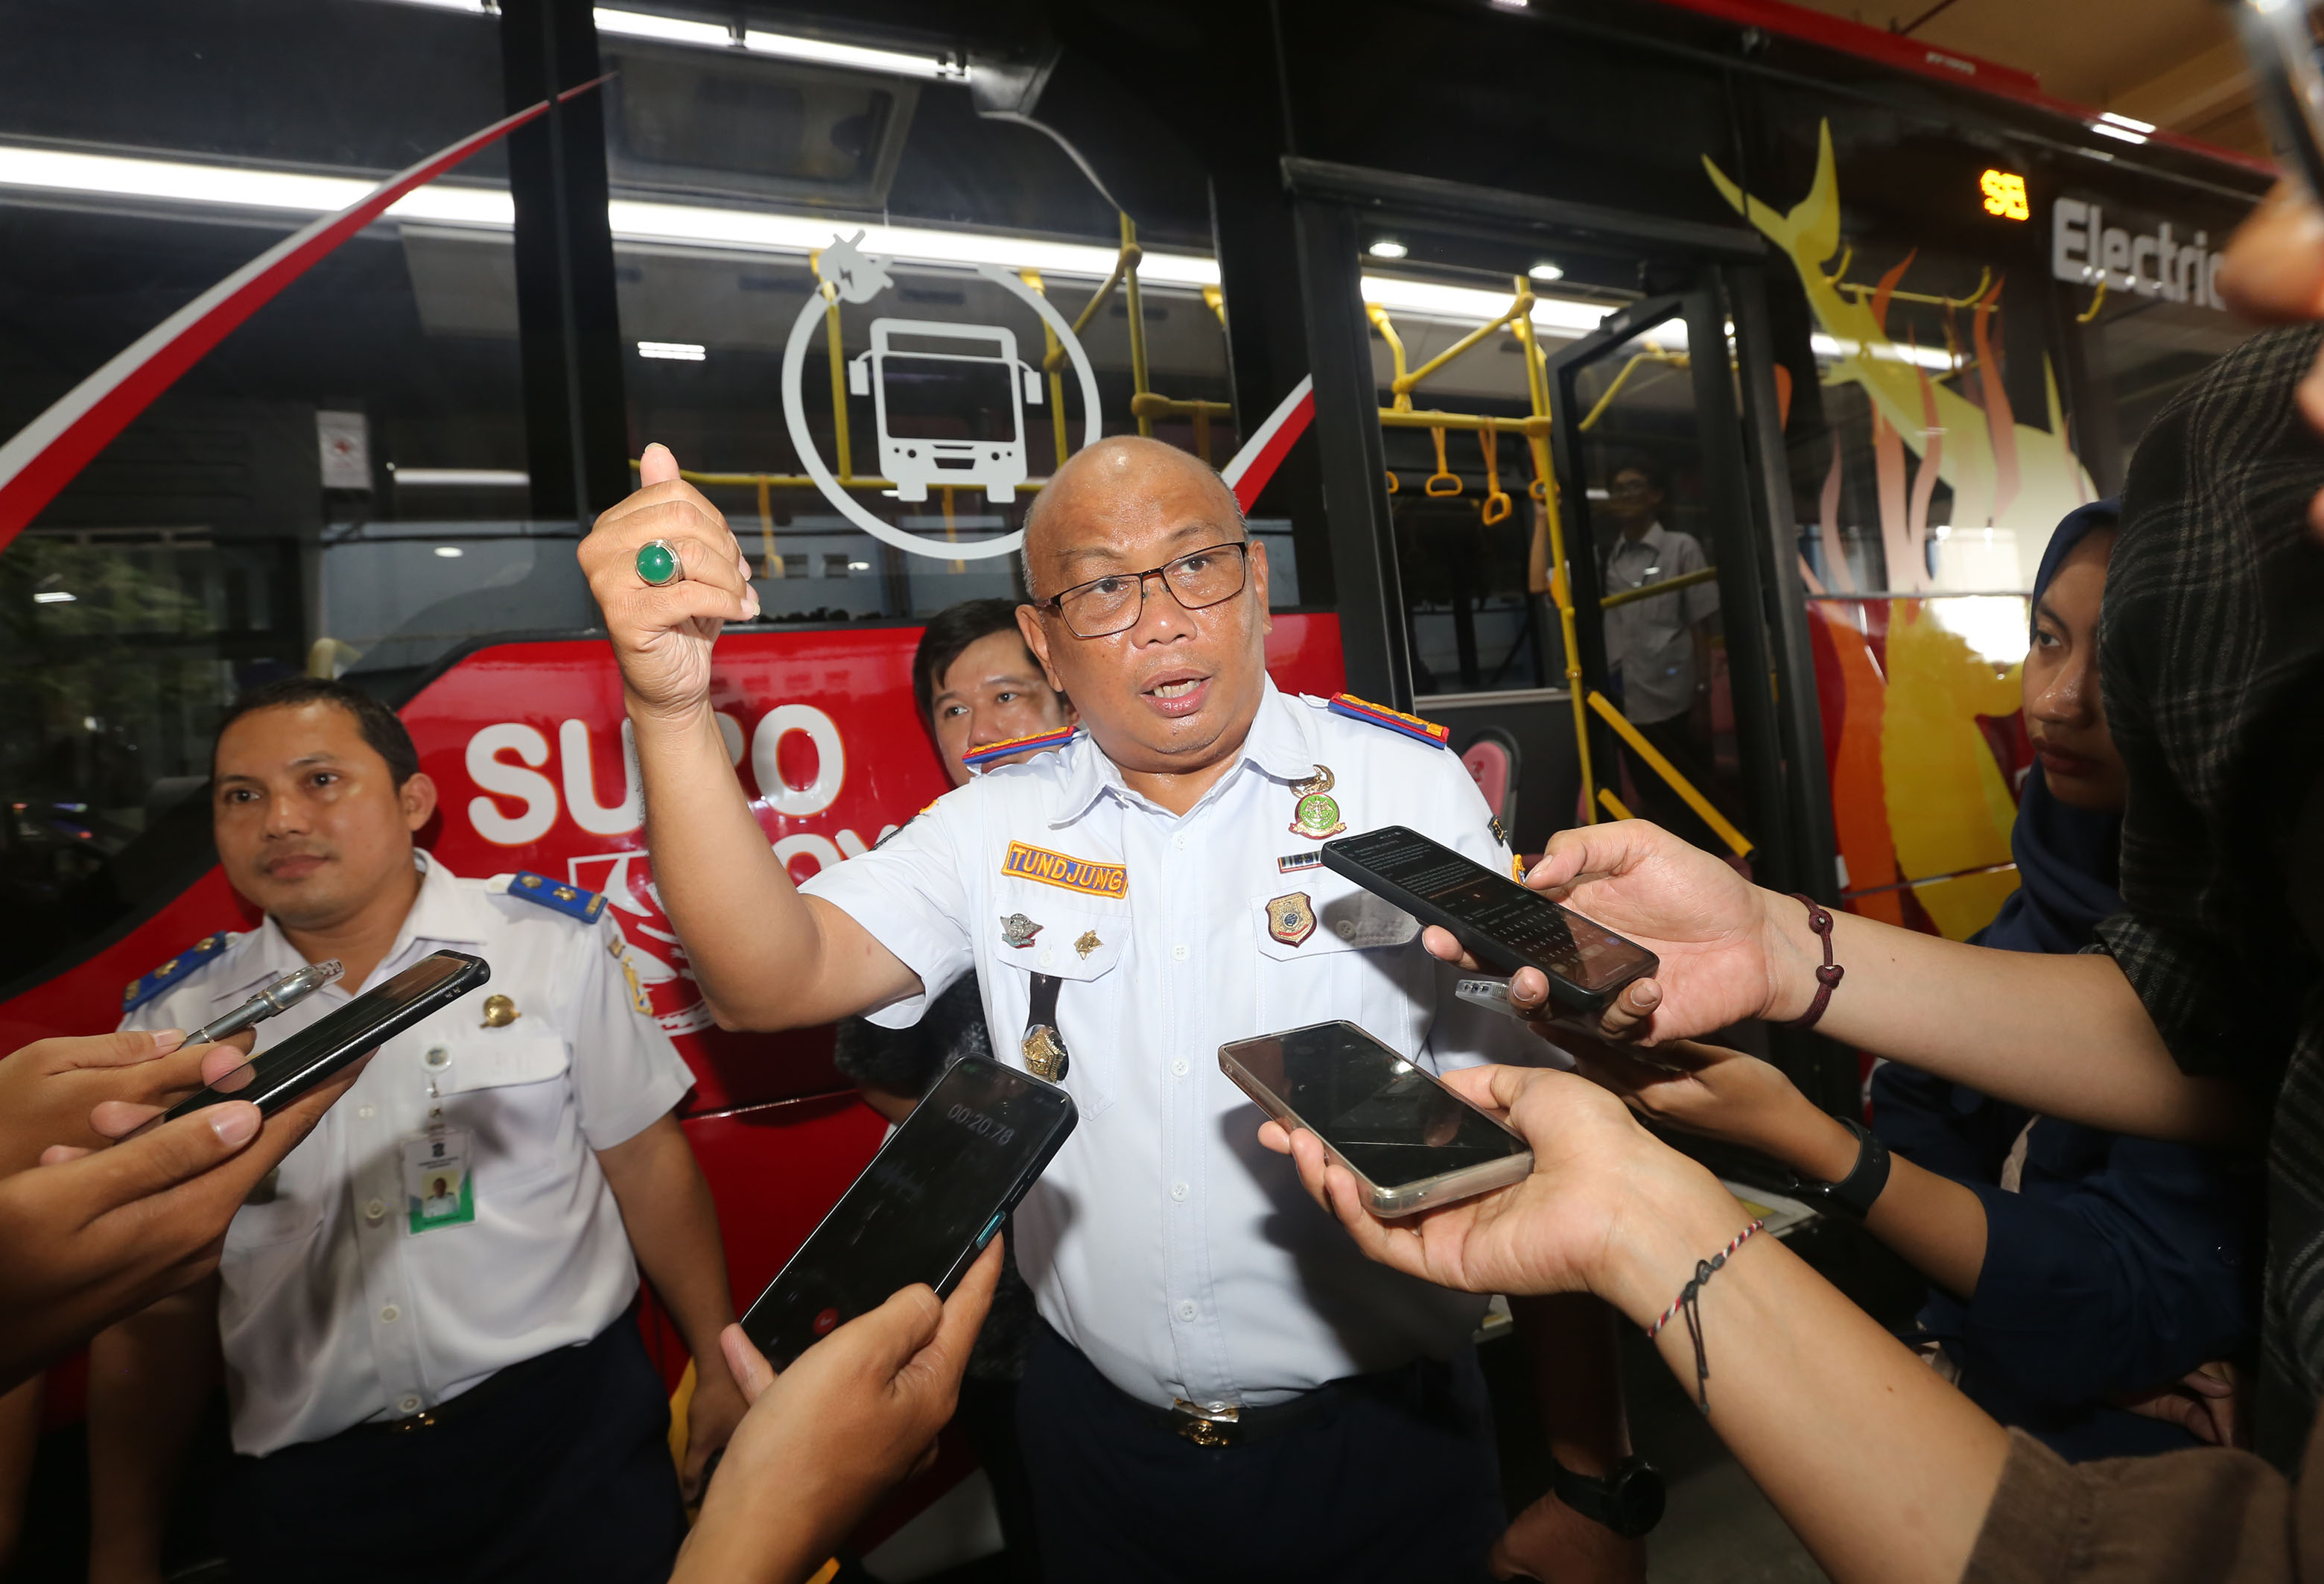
<point x="2211" y="649"/>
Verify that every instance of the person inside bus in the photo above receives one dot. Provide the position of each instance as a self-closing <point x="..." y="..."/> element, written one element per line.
<point x="1219" y="1381"/>
<point x="976" y="686"/>
<point x="87" y="1242"/>
<point x="364" y="1339"/>
<point x="1658" y="648"/>
<point x="2077" y="1275"/>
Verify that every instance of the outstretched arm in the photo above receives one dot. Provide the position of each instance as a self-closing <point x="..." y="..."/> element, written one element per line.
<point x="2066" y="1036"/>
<point x="767" y="958"/>
<point x="1884" y="1470"/>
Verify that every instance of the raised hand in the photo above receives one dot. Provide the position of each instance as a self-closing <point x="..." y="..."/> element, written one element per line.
<point x="69" y="1091"/>
<point x="1725" y="956"/>
<point x="663" y="636"/>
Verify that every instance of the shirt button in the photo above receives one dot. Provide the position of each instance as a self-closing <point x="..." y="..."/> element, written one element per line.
<point x="1179" y="842"/>
<point x="1178" y="1068"/>
<point x="1187" y="1311"/>
<point x="388" y="1311"/>
<point x="407" y="1404"/>
<point x="438" y="1056"/>
<point x="1179" y="951"/>
<point x="1047" y="957"/>
<point x="366" y="1112"/>
<point x="376" y="1209"/>
<point x="1177" y="1191"/>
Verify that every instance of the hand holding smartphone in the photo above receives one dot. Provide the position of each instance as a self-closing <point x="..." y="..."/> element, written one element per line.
<point x="279" y="1074"/>
<point x="1410" y="1141"/>
<point x="923" y="1209"/>
<point x="1504" y="925"/>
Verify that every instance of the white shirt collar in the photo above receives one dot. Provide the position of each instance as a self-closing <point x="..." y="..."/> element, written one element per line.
<point x="1279" y="744"/>
<point x="440" y="913"/>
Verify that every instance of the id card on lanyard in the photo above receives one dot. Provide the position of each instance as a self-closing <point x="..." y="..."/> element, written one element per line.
<point x="439" y="1189"/>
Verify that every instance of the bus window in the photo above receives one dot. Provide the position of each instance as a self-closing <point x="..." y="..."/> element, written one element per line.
<point x="956" y="395"/>
<point x="341" y="482"/>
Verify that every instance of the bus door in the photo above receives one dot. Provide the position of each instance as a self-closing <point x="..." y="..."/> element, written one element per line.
<point x="1550" y="443"/>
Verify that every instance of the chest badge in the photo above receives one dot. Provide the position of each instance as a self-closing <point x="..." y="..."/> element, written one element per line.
<point x="1315" y="816"/>
<point x="499" y="1012"/>
<point x="1018" y="930"/>
<point x="1088" y="943"/>
<point x="1291" y="918"/>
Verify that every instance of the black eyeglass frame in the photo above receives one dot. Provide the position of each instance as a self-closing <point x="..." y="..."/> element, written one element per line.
<point x="1054" y="604"/>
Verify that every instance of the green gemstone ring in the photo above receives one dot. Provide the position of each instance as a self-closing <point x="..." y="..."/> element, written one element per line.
<point x="658" y="563"/>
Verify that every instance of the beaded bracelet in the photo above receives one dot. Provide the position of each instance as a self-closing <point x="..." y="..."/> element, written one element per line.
<point x="1689" y="1299"/>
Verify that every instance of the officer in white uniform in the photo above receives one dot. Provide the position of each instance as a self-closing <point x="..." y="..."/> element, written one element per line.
<point x="1225" y="1389"/>
<point x="432" y="1359"/>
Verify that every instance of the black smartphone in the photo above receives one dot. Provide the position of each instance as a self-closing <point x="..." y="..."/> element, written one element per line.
<point x="923" y="1209"/>
<point x="1408" y="1138"/>
<point x="1503" y="923"/>
<point x="279" y="1074"/>
<point x="2287" y="83"/>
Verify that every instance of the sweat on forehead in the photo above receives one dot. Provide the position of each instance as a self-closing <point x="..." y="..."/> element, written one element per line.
<point x="1100" y="477"/>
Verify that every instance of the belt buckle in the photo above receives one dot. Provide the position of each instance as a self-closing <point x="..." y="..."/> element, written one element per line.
<point x="423" y="1419"/>
<point x="1207" y="1427"/>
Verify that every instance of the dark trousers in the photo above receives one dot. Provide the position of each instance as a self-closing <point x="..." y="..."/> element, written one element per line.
<point x="1395" y="1479"/>
<point x="563" y="1473"/>
<point x="987" y="1416"/>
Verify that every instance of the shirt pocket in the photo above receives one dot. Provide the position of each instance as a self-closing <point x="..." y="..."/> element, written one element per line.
<point x="509" y="1088"/>
<point x="1329" y="949"/>
<point x="1081" y="945"/>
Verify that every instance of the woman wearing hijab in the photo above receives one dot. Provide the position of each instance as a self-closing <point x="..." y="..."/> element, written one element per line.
<point x="2082" y="1283"/>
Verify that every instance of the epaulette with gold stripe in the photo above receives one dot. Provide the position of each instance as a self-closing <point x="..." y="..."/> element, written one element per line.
<point x="1411" y="725"/>
<point x="1047" y="739"/>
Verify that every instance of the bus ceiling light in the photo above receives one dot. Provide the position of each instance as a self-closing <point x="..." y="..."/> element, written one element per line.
<point x="860" y="57"/>
<point x="670" y="30"/>
<point x="2122" y="126"/>
<point x="176" y="181"/>
<point x="54" y="596"/>
<point x="676" y="351"/>
<point x="1544" y="271"/>
<point x="450" y="552"/>
<point x="458" y="478"/>
<point x="1386" y="249"/>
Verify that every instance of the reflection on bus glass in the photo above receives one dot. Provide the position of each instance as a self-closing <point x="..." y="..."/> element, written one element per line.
<point x="946" y="398"/>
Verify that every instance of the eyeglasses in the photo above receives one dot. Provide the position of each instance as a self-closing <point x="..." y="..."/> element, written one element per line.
<point x="1112" y="604"/>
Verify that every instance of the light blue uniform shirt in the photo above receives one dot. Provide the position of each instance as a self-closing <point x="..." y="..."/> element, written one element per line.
<point x="1181" y="1258"/>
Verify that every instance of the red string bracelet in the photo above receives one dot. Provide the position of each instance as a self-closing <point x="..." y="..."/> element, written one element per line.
<point x="1830" y="974"/>
<point x="1689" y="1299"/>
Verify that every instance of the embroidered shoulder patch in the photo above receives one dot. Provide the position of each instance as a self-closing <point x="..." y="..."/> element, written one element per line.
<point x="1047" y="739"/>
<point x="1411" y="725"/>
<point x="558" y="897"/>
<point x="1034" y="863"/>
<point x="174" y="972"/>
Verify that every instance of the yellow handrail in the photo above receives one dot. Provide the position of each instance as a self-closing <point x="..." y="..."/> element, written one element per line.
<point x="1049" y="357"/>
<point x="1387" y="328"/>
<point x="1522" y="308"/>
<point x="1137" y="386"/>
<point x="1543" y="490"/>
<point x="1614" y="805"/>
<point x="1734" y="838"/>
<point x="1667" y="586"/>
<point x="838" y="367"/>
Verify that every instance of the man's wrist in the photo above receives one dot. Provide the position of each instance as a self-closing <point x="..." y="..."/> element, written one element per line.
<point x="1678" y="1222"/>
<point x="1794" y="952"/>
<point x="671" y="722"/>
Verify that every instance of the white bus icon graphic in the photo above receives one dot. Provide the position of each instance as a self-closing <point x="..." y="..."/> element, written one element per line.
<point x="947" y="416"/>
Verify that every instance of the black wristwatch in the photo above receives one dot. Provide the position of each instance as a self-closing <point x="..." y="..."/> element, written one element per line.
<point x="1628" y="1500"/>
<point x="1853" y="1195"/>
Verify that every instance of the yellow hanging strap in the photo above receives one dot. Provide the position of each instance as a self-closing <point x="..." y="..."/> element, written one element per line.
<point x="1443" y="475"/>
<point x="1394" y="482"/>
<point x="1497" y="504"/>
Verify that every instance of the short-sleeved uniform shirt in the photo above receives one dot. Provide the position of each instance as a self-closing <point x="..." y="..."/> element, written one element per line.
<point x="1164" y="1242"/>
<point x="333" y="1311"/>
<point x="1650" y="642"/>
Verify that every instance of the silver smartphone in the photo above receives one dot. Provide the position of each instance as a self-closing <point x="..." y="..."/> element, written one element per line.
<point x="1411" y="1142"/>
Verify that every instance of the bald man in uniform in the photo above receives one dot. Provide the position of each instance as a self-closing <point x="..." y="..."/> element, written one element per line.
<point x="1222" y="1389"/>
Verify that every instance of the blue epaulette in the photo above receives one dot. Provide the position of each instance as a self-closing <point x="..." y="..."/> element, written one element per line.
<point x="992" y="750"/>
<point x="557" y="895"/>
<point x="1395" y="720"/>
<point x="174" y="972"/>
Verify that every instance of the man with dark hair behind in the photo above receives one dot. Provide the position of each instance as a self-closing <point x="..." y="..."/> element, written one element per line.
<point x="427" y="1314"/>
<point x="979" y="690"/>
